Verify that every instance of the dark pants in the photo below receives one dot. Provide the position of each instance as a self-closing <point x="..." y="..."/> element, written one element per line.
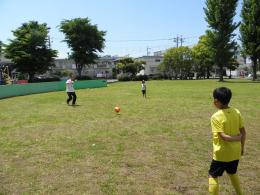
<point x="72" y="96"/>
<point x="217" y="168"/>
<point x="144" y="93"/>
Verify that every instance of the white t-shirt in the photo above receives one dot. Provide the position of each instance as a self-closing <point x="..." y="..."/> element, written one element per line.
<point x="143" y="86"/>
<point x="69" y="86"/>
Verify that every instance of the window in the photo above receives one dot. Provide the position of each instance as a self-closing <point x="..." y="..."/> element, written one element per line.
<point x="152" y="69"/>
<point x="157" y="60"/>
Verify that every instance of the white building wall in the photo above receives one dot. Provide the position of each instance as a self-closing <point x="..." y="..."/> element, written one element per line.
<point x="103" y="68"/>
<point x="152" y="64"/>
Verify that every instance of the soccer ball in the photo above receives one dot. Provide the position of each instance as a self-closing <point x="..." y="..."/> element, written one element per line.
<point x="117" y="109"/>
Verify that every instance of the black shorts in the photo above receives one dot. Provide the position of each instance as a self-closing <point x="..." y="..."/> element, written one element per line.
<point x="217" y="168"/>
<point x="144" y="91"/>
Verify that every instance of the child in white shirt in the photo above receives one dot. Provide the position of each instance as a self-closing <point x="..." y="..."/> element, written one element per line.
<point x="143" y="88"/>
<point x="71" y="91"/>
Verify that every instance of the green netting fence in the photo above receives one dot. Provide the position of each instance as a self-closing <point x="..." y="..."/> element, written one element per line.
<point x="34" y="88"/>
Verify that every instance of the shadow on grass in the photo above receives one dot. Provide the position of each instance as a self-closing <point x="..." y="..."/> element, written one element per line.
<point x="241" y="81"/>
<point x="76" y="105"/>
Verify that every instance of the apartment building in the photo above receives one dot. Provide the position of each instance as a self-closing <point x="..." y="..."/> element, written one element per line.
<point x="102" y="68"/>
<point x="152" y="64"/>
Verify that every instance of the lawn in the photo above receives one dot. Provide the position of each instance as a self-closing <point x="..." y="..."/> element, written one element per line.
<point x="158" y="145"/>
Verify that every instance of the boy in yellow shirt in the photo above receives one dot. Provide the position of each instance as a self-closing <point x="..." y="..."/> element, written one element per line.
<point x="228" y="141"/>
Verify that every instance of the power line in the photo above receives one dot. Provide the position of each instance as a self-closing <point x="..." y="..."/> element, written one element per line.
<point x="164" y="44"/>
<point x="140" y="40"/>
<point x="161" y="39"/>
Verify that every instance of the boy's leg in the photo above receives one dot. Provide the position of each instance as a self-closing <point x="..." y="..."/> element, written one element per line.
<point x="216" y="169"/>
<point x="232" y="172"/>
<point x="69" y="97"/>
<point x="74" y="98"/>
<point x="213" y="186"/>
<point x="236" y="183"/>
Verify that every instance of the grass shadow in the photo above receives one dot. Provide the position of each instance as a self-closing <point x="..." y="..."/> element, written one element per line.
<point x="242" y="81"/>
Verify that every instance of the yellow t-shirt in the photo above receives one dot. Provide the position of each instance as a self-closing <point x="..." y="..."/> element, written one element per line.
<point x="228" y="121"/>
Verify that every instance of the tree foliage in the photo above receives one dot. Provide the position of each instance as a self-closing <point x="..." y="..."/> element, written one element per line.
<point x="232" y="65"/>
<point x="250" y="31"/>
<point x="29" y="51"/>
<point x="203" y="57"/>
<point x="84" y="39"/>
<point x="1" y="47"/>
<point x="130" y="66"/>
<point x="177" y="62"/>
<point x="219" y="16"/>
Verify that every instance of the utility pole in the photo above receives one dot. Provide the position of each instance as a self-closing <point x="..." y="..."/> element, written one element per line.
<point x="181" y="40"/>
<point x="49" y="41"/>
<point x="176" y="40"/>
<point x="147" y="50"/>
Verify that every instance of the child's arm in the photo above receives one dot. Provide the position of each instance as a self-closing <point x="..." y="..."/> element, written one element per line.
<point x="229" y="138"/>
<point x="243" y="139"/>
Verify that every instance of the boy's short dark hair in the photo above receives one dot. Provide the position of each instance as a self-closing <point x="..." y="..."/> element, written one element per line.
<point x="222" y="94"/>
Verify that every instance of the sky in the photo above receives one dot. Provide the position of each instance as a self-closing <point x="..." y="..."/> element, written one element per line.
<point x="133" y="27"/>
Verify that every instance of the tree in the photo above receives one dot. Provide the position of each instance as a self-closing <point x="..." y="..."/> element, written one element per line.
<point x="84" y="39"/>
<point x="203" y="56"/>
<point x="177" y="62"/>
<point x="219" y="15"/>
<point x="232" y="65"/>
<point x="29" y="51"/>
<point x="169" y="65"/>
<point x="250" y="31"/>
<point x="129" y="65"/>
<point x="1" y="48"/>
<point x="186" y="62"/>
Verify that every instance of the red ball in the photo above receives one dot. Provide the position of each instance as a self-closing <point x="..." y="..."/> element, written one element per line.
<point x="117" y="109"/>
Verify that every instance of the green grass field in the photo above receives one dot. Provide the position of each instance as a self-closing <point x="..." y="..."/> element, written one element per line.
<point x="158" y="145"/>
